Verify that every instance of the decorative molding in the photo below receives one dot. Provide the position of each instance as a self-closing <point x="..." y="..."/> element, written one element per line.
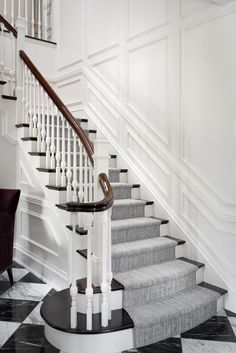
<point x="101" y="76"/>
<point x="30" y="257"/>
<point x="103" y="50"/>
<point x="40" y="246"/>
<point x="69" y="65"/>
<point x="24" y="173"/>
<point x="44" y="219"/>
<point x="130" y="37"/>
<point x="69" y="82"/>
<point x="162" y="138"/>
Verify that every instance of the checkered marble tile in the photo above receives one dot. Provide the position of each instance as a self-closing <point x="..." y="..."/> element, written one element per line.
<point x="22" y="328"/>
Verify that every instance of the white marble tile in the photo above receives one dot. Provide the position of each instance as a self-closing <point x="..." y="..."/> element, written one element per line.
<point x="18" y="273"/>
<point x="202" y="346"/>
<point x="34" y="317"/>
<point x="221" y="313"/>
<point x="26" y="291"/>
<point x="6" y="330"/>
<point x="232" y="321"/>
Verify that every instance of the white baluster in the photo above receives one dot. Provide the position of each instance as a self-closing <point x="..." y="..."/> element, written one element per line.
<point x="109" y="262"/>
<point x="12" y="38"/>
<point x="39" y="20"/>
<point x="89" y="289"/>
<point x="26" y="94"/>
<point x="23" y="94"/>
<point x="39" y="125"/>
<point x="90" y="171"/>
<point x="104" y="285"/>
<point x="26" y="16"/>
<point x="48" y="140"/>
<point x="12" y="13"/>
<point x="81" y="192"/>
<point x="68" y="173"/>
<point x="53" y="147"/>
<point x="43" y="131"/>
<point x="45" y="20"/>
<point x="35" y="115"/>
<point x="63" y="160"/>
<point x="2" y="52"/>
<point x="5" y="9"/>
<point x="75" y="182"/>
<point x="58" y="154"/>
<point x="32" y="20"/>
<point x="30" y="104"/>
<point x="73" y="288"/>
<point x="19" y="6"/>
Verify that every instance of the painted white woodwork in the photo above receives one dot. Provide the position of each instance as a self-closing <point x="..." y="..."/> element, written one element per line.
<point x="160" y="85"/>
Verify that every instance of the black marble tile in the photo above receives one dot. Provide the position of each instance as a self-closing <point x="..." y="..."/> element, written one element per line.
<point x="230" y="313"/>
<point x="16" y="265"/>
<point x="4" y="286"/>
<point x="28" y="339"/>
<point x="171" y="345"/>
<point x="16" y="310"/>
<point x="217" y="328"/>
<point x="30" y="278"/>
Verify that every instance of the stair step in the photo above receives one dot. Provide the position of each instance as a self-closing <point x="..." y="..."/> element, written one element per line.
<point x="55" y="311"/>
<point x="56" y="188"/>
<point x="125" y="230"/>
<point x="155" y="282"/>
<point x="18" y="126"/>
<point x="114" y="174"/>
<point x="179" y="241"/>
<point x="193" y="262"/>
<point x="140" y="253"/>
<point x="46" y="170"/>
<point x="219" y="290"/>
<point x="78" y="230"/>
<point x="39" y="154"/>
<point x="3" y="82"/>
<point x="29" y="139"/>
<point x="129" y="208"/>
<point x="170" y="316"/>
<point x="82" y="284"/>
<point x="163" y="220"/>
<point x="83" y="253"/>
<point x="13" y="98"/>
<point x="122" y="190"/>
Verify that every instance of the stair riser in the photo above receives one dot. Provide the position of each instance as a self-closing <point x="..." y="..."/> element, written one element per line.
<point x="132" y="234"/>
<point x="30" y="146"/>
<point x="112" y="162"/>
<point x="38" y="161"/>
<point x="125" y="263"/>
<point x="23" y="132"/>
<point x="125" y="212"/>
<point x="58" y="197"/>
<point x="47" y="178"/>
<point x="126" y="193"/>
<point x="170" y="287"/>
<point x="117" y="176"/>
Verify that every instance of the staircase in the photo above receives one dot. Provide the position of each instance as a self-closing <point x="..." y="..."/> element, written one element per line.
<point x="136" y="290"/>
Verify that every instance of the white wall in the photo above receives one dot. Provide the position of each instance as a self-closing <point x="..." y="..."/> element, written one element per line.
<point x="160" y="81"/>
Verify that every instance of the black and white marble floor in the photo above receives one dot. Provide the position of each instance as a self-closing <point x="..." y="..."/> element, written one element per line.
<point x="22" y="330"/>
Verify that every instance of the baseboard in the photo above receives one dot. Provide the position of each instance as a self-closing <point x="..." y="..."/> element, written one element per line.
<point x="48" y="273"/>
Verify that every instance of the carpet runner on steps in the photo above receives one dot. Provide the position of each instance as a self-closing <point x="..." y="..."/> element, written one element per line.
<point x="161" y="294"/>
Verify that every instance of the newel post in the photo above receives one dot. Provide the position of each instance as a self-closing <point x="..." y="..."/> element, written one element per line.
<point x="101" y="165"/>
<point x="20" y="45"/>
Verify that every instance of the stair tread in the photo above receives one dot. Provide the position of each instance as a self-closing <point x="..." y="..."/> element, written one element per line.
<point x="151" y="275"/>
<point x="118" y="185"/>
<point x="134" y="222"/>
<point x="55" y="311"/>
<point x="121" y="170"/>
<point x="5" y="96"/>
<point x="179" y="241"/>
<point x="143" y="245"/>
<point x="3" y="82"/>
<point x="45" y="170"/>
<point x="217" y="289"/>
<point x="196" y="263"/>
<point x="82" y="284"/>
<point x="56" y="188"/>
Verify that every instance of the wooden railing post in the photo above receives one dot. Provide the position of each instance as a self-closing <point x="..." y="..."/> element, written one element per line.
<point x="20" y="45"/>
<point x="101" y="164"/>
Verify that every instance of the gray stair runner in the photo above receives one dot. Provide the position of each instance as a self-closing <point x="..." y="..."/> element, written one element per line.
<point x="161" y="294"/>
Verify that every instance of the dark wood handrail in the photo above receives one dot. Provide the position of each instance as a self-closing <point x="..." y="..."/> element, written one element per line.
<point x="8" y="26"/>
<point x="97" y="206"/>
<point x="60" y="105"/>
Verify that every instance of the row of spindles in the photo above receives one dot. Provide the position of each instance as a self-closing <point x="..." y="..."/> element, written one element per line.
<point x="35" y="13"/>
<point x="55" y="137"/>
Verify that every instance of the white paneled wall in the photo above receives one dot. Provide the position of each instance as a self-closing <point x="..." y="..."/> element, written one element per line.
<point x="159" y="79"/>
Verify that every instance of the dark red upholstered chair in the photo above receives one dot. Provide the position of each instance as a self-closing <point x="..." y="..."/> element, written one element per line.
<point x="8" y="204"/>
